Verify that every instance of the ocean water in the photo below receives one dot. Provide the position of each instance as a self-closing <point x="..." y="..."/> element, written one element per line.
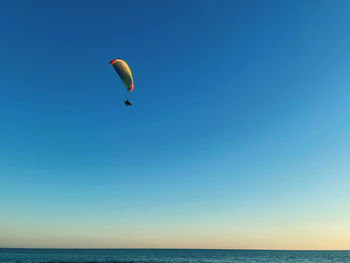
<point x="168" y="256"/>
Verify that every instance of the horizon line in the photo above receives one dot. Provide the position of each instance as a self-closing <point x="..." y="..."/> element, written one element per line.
<point x="108" y="248"/>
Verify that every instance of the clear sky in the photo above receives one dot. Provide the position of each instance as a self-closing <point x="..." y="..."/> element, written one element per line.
<point x="239" y="137"/>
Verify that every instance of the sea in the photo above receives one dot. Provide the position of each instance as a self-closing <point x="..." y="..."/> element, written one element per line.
<point x="168" y="256"/>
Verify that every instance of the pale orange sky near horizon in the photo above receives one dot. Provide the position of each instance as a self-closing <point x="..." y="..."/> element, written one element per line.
<point x="317" y="235"/>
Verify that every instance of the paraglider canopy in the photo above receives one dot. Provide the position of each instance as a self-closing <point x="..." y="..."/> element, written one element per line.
<point x="124" y="72"/>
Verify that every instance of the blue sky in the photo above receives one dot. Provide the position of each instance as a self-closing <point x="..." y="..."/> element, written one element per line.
<point x="238" y="138"/>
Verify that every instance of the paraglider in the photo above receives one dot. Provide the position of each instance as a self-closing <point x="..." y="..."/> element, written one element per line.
<point x="124" y="72"/>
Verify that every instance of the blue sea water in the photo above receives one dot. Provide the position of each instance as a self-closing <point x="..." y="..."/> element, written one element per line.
<point x="168" y="256"/>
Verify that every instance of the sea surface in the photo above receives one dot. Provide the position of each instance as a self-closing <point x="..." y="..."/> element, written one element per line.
<point x="168" y="256"/>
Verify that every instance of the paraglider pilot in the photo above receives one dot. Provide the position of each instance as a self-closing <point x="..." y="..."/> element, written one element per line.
<point x="127" y="103"/>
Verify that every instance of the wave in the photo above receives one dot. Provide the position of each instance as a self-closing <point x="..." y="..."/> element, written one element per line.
<point x="109" y="261"/>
